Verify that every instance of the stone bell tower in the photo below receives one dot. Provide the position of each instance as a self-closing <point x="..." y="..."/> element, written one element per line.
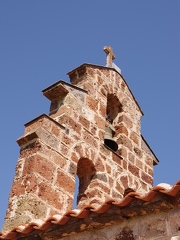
<point x="93" y="132"/>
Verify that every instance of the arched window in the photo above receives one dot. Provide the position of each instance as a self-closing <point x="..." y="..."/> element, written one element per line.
<point x="85" y="173"/>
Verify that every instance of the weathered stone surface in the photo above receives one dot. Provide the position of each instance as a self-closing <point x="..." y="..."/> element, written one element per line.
<point x="70" y="142"/>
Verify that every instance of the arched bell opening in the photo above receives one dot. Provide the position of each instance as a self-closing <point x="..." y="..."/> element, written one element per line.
<point x="114" y="107"/>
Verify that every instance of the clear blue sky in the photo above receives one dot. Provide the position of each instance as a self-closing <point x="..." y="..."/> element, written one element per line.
<point x="40" y="41"/>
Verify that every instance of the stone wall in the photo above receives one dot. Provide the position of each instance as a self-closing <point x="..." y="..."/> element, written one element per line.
<point x="163" y="226"/>
<point x="70" y="142"/>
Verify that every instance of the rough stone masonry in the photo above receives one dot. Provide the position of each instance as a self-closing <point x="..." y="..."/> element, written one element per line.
<point x="70" y="142"/>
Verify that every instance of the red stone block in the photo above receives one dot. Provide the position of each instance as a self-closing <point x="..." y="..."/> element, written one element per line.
<point x="84" y="122"/>
<point x="102" y="110"/>
<point x="88" y="138"/>
<point x="98" y="185"/>
<point x="125" y="141"/>
<point x="51" y="196"/>
<point x="99" y="166"/>
<point x="121" y="129"/>
<point x="65" y="182"/>
<point x="100" y="122"/>
<point x="69" y="122"/>
<point x="74" y="157"/>
<point x="135" y="137"/>
<point x="92" y="103"/>
<point x="58" y="159"/>
<point x="133" y="169"/>
<point x="40" y="165"/>
<point x="67" y="140"/>
<point x="32" y="148"/>
<point x="100" y="80"/>
<point x="146" y="178"/>
<point x="124" y="181"/>
<point x="139" y="163"/>
<point x="131" y="157"/>
<point x="119" y="188"/>
<point x="126" y="120"/>
<point x="17" y="188"/>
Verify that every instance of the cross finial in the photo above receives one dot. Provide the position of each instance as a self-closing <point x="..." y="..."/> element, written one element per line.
<point x="109" y="55"/>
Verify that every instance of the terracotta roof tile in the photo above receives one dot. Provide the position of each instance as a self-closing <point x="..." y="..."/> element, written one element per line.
<point x="86" y="211"/>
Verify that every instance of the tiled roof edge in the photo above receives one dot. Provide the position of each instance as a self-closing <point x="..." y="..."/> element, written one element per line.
<point x="86" y="211"/>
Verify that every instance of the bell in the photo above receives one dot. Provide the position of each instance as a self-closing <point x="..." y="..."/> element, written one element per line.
<point x="108" y="139"/>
